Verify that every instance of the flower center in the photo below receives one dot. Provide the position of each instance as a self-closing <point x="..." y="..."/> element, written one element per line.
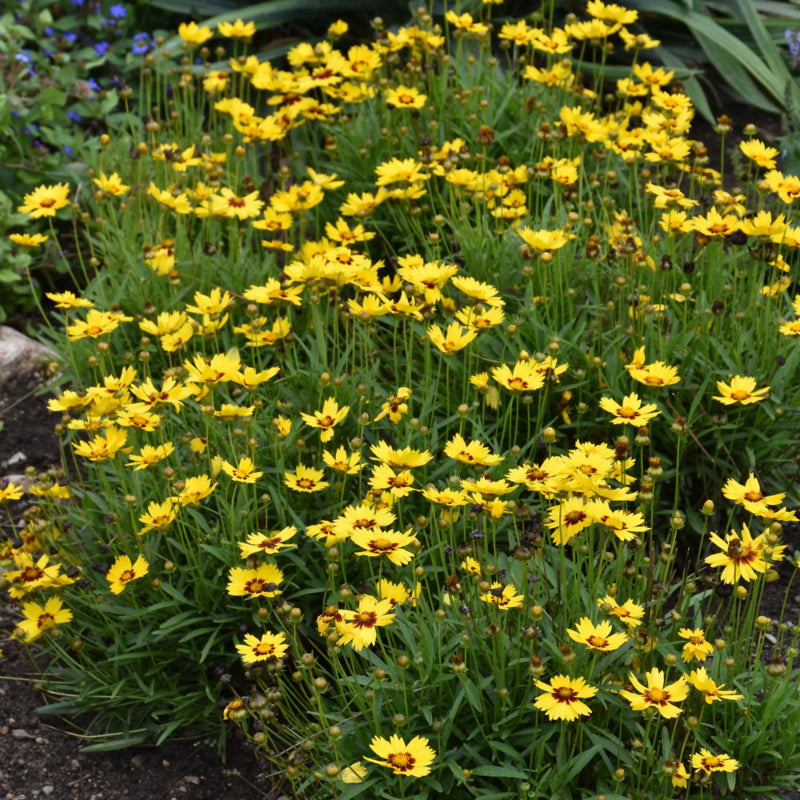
<point x="401" y="761"/>
<point x="657" y="696"/>
<point x="564" y="694"/>
<point x="365" y="619"/>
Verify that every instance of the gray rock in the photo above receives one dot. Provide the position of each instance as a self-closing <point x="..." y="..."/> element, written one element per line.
<point x="20" y="356"/>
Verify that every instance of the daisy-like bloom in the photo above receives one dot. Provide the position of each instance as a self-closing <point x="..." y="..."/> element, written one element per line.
<point x="159" y="515"/>
<point x="228" y="204"/>
<point x="474" y="453"/>
<point x="455" y="338"/>
<point x="343" y="463"/>
<point x="405" y="457"/>
<point x="704" y="761"/>
<point x="624" y="524"/>
<point x="396" y="593"/>
<point x="405" y="97"/>
<point x="741" y="389"/>
<point x="111" y="184"/>
<point x="395" y="406"/>
<point x="655" y="695"/>
<point x="413" y="758"/>
<point x="263" y="648"/>
<point x="384" y="478"/>
<point x="357" y="628"/>
<point x="40" y="619"/>
<point x="244" y="472"/>
<point x="326" y="419"/>
<point x="96" y="324"/>
<point x="44" y="201"/>
<point x="630" y="411"/>
<point x="568" y="519"/>
<point x="31" y="575"/>
<point x="149" y="456"/>
<point x="377" y="543"/>
<point x="305" y="479"/>
<point x="629" y="612"/>
<point x="656" y="374"/>
<point x="195" y="489"/>
<point x="697" y="646"/>
<point x="68" y="300"/>
<point x="103" y="446"/>
<point x="597" y="637"/>
<point x="10" y="492"/>
<point x="123" y="571"/>
<point x="741" y="556"/>
<point x="524" y="377"/>
<point x="260" y="582"/>
<point x="563" y="697"/>
<point x="543" y="241"/>
<point x="504" y="597"/>
<point x="703" y="683"/>
<point x="29" y="240"/>
<point x="268" y="544"/>
<point x="758" y="152"/>
<point x="192" y="33"/>
<point x="750" y="495"/>
<point x="237" y="30"/>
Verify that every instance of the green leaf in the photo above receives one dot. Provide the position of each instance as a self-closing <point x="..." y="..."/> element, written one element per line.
<point x="9" y="276"/>
<point x="493" y="771"/>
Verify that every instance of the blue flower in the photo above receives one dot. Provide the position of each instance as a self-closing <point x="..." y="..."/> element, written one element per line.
<point x="74" y="116"/>
<point x="24" y="57"/>
<point x="68" y="150"/>
<point x="93" y="84"/>
<point x="70" y="37"/>
<point x="142" y="44"/>
<point x="101" y="48"/>
<point x="118" y="11"/>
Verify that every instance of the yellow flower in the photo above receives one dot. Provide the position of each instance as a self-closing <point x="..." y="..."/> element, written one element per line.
<point x="597" y="637"/>
<point x="97" y="324"/>
<point x="326" y="419"/>
<point x="103" y="446"/>
<point x="260" y="582"/>
<point x="524" y="377"/>
<point x="413" y="758"/>
<point x="629" y="612"/>
<point x="192" y="33"/>
<point x="123" y="571"/>
<point x="149" y="456"/>
<point x="305" y="479"/>
<point x="697" y="646"/>
<point x="112" y="185"/>
<point x="749" y="494"/>
<point x="656" y="374"/>
<point x="267" y="646"/>
<point x="741" y="389"/>
<point x="475" y="454"/>
<point x="656" y="695"/>
<point x="341" y="462"/>
<point x="268" y="544"/>
<point x="405" y="97"/>
<point x="705" y="762"/>
<point x="40" y="619"/>
<point x="10" y="492"/>
<point x="377" y="542"/>
<point x="196" y="487"/>
<point x="237" y="30"/>
<point x="568" y="518"/>
<point x="758" y="152"/>
<point x="244" y="472"/>
<point x="504" y="597"/>
<point x="630" y="411"/>
<point x="563" y="696"/>
<point x="158" y="515"/>
<point x="457" y="337"/>
<point x="741" y="556"/>
<point x="712" y="693"/>
<point x="28" y="240"/>
<point x="543" y="240"/>
<point x="44" y="201"/>
<point x="357" y="628"/>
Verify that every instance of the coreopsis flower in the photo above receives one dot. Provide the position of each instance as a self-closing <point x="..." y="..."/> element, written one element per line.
<point x="696" y="646"/>
<point x="623" y="523"/>
<point x="354" y="773"/>
<point x="656" y="695"/>
<point x="33" y="575"/>
<point x="31" y="240"/>
<point x="195" y="488"/>
<point x="44" y="201"/>
<point x="237" y="30"/>
<point x="656" y="374"/>
<point x="244" y="472"/>
<point x="629" y="612"/>
<point x="268" y="544"/>
<point x="563" y="698"/>
<point x="543" y="241"/>
<point x="357" y="628"/>
<point x="123" y="571"/>
<point x="630" y="411"/>
<point x="478" y="290"/>
<point x="405" y="97"/>
<point x="504" y="597"/>
<point x="326" y="419"/>
<point x="474" y="453"/>
<point x="413" y="758"/>
<point x="263" y="648"/>
<point x="40" y="619"/>
<point x="260" y="582"/>
<point x="152" y="399"/>
<point x="712" y="693"/>
<point x="445" y="497"/>
<point x="343" y="463"/>
<point x="384" y="478"/>
<point x="741" y="389"/>
<point x="192" y="33"/>
<point x="377" y="543"/>
<point x="96" y="324"/>
<point x="396" y="593"/>
<point x="228" y="204"/>
<point x="715" y="225"/>
<point x="455" y="338"/>
<point x="750" y="495"/>
<point x="760" y="153"/>
<point x="706" y="762"/>
<point x="597" y="637"/>
<point x="10" y="492"/>
<point x="741" y="556"/>
<point x="111" y="184"/>
<point x="103" y="446"/>
<point x="69" y="300"/>
<point x="524" y="377"/>
<point x="305" y="479"/>
<point x="405" y="457"/>
<point x="395" y="406"/>
<point x="149" y="456"/>
<point x="764" y="226"/>
<point x="787" y="187"/>
<point x="158" y="515"/>
<point x="568" y="519"/>
<point x="214" y="303"/>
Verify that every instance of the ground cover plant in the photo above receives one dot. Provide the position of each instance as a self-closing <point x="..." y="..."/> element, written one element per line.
<point x="430" y="417"/>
